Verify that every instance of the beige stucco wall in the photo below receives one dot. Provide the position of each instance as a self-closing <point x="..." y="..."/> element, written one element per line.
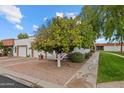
<point x="28" y="42"/>
<point x="112" y="48"/>
<point x="52" y="55"/>
<point x="81" y="50"/>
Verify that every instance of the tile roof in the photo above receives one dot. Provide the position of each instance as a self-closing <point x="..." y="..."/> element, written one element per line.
<point x="8" y="42"/>
<point x="108" y="44"/>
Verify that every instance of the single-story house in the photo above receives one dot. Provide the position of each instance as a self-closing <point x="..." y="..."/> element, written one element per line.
<point x="109" y="46"/>
<point x="23" y="48"/>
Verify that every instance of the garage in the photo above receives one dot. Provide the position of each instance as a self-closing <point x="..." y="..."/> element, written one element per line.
<point x="22" y="51"/>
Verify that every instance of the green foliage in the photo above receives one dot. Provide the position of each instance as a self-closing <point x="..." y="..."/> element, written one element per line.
<point x="63" y="34"/>
<point x="87" y="34"/>
<point x="23" y="36"/>
<point x="87" y="55"/>
<point x="90" y="15"/>
<point x="7" y="51"/>
<point x="106" y="20"/>
<point x="1" y="45"/>
<point x="113" y="22"/>
<point x="28" y="56"/>
<point x="92" y="51"/>
<point x="122" y="54"/>
<point x="77" y="57"/>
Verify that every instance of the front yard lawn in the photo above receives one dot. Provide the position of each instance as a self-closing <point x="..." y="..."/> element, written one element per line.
<point x="111" y="68"/>
<point x="119" y="53"/>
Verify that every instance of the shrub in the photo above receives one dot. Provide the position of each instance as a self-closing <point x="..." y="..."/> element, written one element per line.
<point x="92" y="51"/>
<point x="77" y="57"/>
<point x="28" y="56"/>
<point x="87" y="55"/>
<point x="0" y="54"/>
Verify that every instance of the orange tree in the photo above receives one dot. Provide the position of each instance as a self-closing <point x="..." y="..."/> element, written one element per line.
<point x="63" y="34"/>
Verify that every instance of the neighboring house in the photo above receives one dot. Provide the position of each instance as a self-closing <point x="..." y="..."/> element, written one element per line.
<point x="8" y="46"/>
<point x="109" y="46"/>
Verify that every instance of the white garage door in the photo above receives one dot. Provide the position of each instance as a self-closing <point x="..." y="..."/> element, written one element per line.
<point x="22" y="51"/>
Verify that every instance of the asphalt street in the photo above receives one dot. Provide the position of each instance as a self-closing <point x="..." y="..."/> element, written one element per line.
<point x="6" y="82"/>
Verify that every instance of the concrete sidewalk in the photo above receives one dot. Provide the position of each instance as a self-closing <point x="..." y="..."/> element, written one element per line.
<point x="86" y="76"/>
<point x="114" y="84"/>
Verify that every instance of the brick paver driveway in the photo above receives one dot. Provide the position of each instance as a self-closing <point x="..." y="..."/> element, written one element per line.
<point x="8" y="61"/>
<point x="41" y="69"/>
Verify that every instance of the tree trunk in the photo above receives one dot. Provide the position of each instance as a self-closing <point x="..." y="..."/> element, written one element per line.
<point x="58" y="60"/>
<point x="94" y="46"/>
<point x="121" y="47"/>
<point x="121" y="44"/>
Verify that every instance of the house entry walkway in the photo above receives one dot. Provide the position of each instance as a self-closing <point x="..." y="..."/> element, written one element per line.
<point x="86" y="77"/>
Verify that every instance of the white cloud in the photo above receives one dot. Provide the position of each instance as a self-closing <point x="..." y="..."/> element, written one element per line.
<point x="35" y="27"/>
<point x="71" y="14"/>
<point x="60" y="14"/>
<point x="19" y="27"/>
<point x="45" y="19"/>
<point x="68" y="14"/>
<point x="30" y="34"/>
<point x="11" y="13"/>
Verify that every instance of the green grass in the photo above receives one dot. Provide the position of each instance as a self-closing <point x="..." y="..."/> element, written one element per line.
<point x="118" y="53"/>
<point x="111" y="68"/>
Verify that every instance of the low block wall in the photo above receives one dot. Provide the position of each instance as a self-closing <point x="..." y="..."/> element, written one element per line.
<point x="112" y="48"/>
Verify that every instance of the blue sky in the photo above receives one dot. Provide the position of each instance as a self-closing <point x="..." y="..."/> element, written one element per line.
<point x="17" y="19"/>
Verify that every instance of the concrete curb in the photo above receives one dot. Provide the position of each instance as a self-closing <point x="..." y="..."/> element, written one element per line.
<point x="113" y="84"/>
